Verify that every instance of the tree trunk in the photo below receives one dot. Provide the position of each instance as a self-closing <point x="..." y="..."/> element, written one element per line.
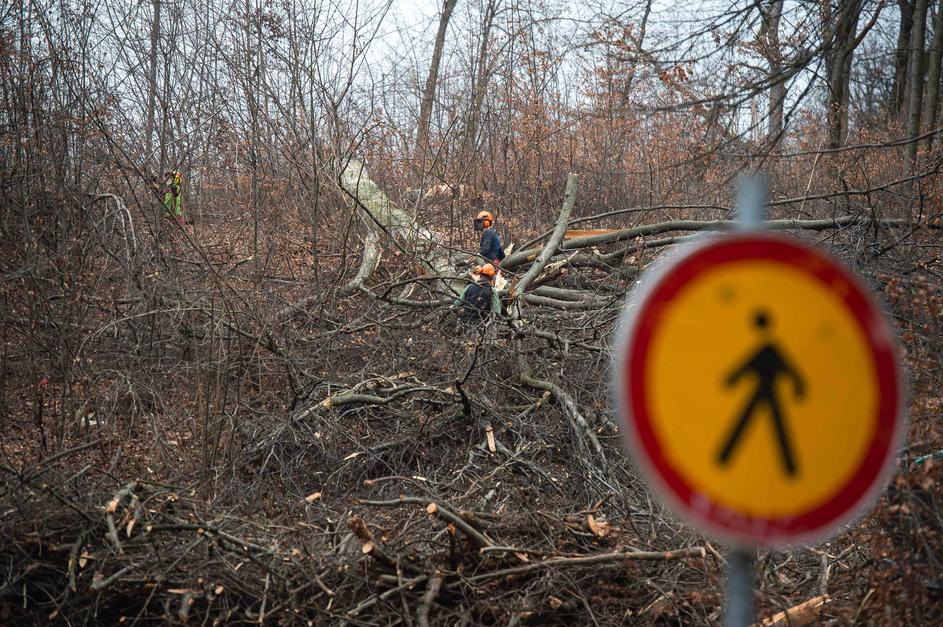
<point x="899" y="88"/>
<point x="152" y="85"/>
<point x="774" y="55"/>
<point x="933" y="71"/>
<point x="164" y="114"/>
<point x="427" y="246"/>
<point x="915" y="76"/>
<point x="253" y="87"/>
<point x="838" y="63"/>
<point x="428" y="92"/>
<point x="480" y="81"/>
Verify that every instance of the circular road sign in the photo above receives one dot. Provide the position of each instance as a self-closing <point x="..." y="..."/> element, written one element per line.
<point x="759" y="389"/>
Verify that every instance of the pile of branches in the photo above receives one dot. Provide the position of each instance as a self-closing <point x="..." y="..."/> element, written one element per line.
<point x="153" y="551"/>
<point x="419" y="471"/>
<point x="442" y="532"/>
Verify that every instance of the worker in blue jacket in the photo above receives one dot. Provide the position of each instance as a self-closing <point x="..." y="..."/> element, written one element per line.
<point x="489" y="246"/>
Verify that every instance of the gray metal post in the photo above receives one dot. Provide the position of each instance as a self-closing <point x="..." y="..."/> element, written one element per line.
<point x="739" y="610"/>
<point x="751" y="198"/>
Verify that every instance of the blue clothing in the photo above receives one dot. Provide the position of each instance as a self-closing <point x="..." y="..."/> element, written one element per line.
<point x="490" y="245"/>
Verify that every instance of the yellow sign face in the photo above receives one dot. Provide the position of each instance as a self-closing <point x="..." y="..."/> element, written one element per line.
<point x="828" y="426"/>
<point x="761" y="390"/>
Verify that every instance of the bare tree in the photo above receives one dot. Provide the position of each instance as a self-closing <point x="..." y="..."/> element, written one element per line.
<point x="482" y="69"/>
<point x="915" y="84"/>
<point x="428" y="91"/>
<point x="244" y="402"/>
<point x="902" y="55"/>
<point x="935" y="55"/>
<point x="152" y="82"/>
<point x="841" y="21"/>
<point x="772" y="14"/>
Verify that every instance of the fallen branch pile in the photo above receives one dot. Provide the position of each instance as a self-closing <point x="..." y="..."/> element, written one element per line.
<point x="157" y="551"/>
<point x="356" y="456"/>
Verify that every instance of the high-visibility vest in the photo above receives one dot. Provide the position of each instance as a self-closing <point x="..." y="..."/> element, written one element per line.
<point x="172" y="196"/>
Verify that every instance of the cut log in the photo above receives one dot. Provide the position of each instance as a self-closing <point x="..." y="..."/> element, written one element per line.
<point x="805" y="613"/>
<point x="574" y="233"/>
<point x="489" y="434"/>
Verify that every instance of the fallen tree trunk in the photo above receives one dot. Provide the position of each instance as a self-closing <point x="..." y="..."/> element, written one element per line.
<point x="526" y="256"/>
<point x="425" y="244"/>
<point x="548" y="251"/>
<point x="369" y="263"/>
<point x="383" y="215"/>
<point x="432" y="255"/>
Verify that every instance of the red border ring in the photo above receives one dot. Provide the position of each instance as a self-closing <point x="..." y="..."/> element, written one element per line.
<point x="658" y="288"/>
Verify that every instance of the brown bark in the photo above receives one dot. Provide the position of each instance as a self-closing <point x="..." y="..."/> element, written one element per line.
<point x="933" y="67"/>
<point x="915" y="77"/>
<point x="432" y="80"/>
<point x="152" y="82"/>
<point x="774" y="56"/>
<point x="806" y="613"/>
<point x="838" y="63"/>
<point x="899" y="88"/>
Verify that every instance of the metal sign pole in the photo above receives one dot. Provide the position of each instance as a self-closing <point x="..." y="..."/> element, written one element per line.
<point x="751" y="198"/>
<point x="739" y="610"/>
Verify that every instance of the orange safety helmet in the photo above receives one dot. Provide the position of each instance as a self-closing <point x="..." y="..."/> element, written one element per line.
<point x="486" y="219"/>
<point x="486" y="270"/>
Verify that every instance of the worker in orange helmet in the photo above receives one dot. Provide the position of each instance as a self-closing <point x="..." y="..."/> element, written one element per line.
<point x="489" y="246"/>
<point x="479" y="299"/>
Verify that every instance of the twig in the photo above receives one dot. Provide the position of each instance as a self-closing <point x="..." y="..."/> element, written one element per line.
<point x="104" y="583"/>
<point x="370" y="546"/>
<point x="264" y="599"/>
<point x="591" y="560"/>
<point x="74" y="558"/>
<point x="41" y="466"/>
<point x="432" y="591"/>
<point x="569" y="405"/>
<point x="406" y="585"/>
<point x="437" y="509"/>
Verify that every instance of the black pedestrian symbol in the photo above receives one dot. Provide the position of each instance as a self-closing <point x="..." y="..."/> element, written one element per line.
<point x="768" y="363"/>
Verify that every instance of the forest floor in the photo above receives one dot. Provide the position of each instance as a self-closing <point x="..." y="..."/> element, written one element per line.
<point x="334" y="468"/>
